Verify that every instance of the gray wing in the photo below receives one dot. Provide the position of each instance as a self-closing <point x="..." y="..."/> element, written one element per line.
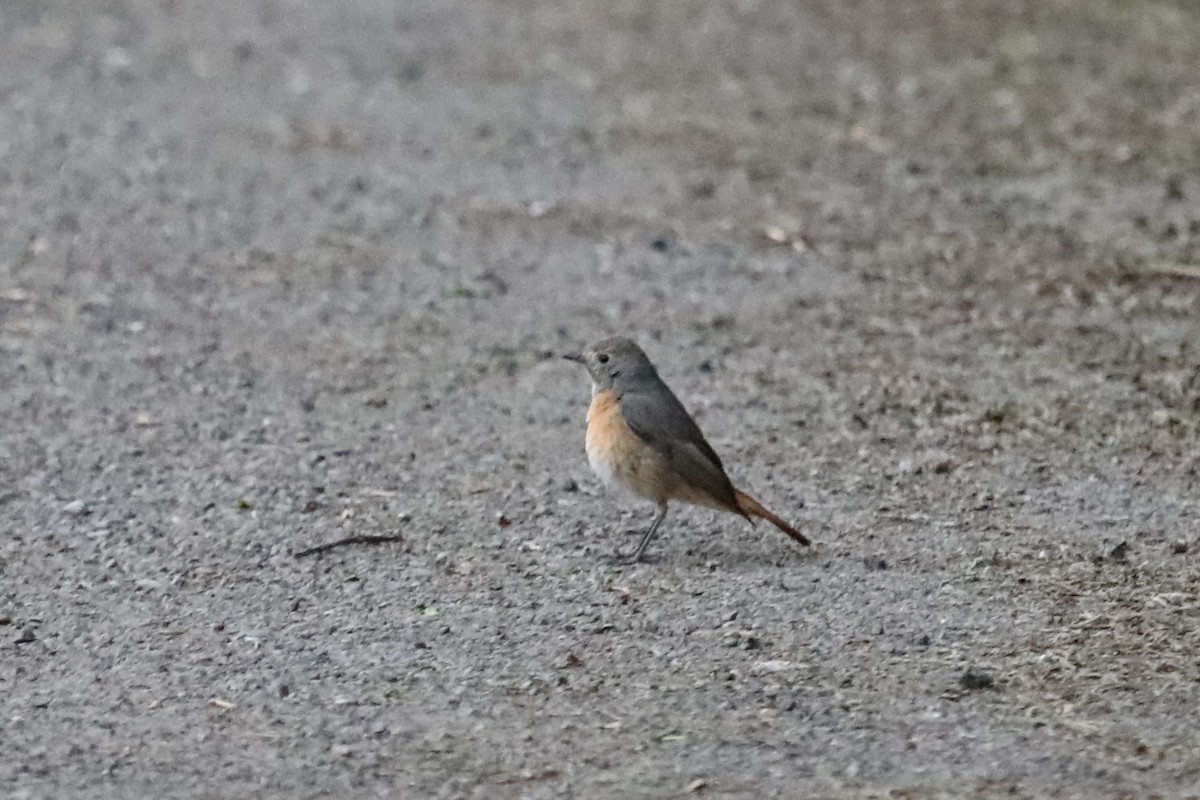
<point x="661" y="421"/>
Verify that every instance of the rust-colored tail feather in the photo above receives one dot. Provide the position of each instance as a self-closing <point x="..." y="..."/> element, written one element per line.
<point x="752" y="508"/>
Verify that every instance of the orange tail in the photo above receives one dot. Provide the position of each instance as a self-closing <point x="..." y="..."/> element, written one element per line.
<point x="752" y="508"/>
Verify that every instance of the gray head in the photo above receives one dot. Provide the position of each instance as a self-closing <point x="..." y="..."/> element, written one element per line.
<point x="614" y="362"/>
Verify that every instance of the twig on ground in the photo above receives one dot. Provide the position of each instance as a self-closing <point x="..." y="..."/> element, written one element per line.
<point x="1176" y="270"/>
<point x="366" y="539"/>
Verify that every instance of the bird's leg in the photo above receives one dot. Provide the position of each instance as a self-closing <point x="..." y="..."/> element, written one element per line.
<point x="641" y="548"/>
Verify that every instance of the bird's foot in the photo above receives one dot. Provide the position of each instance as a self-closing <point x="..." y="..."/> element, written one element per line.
<point x="624" y="559"/>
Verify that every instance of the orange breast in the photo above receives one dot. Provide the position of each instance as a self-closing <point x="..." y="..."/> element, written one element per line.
<point x="607" y="435"/>
<point x="620" y="458"/>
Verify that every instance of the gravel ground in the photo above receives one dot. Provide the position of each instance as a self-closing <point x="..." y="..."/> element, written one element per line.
<point x="274" y="273"/>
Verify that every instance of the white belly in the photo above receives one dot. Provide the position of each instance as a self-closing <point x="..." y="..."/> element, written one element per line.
<point x="603" y="471"/>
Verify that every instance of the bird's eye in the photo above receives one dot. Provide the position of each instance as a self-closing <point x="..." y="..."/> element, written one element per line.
<point x="602" y="358"/>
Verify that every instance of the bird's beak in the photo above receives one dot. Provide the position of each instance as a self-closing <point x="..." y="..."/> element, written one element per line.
<point x="576" y="357"/>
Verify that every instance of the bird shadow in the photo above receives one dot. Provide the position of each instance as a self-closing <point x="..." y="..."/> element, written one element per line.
<point x="715" y="551"/>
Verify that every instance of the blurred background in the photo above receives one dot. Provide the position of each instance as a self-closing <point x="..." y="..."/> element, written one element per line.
<point x="275" y="272"/>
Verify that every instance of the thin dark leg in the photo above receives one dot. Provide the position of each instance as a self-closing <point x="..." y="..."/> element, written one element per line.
<point x="641" y="548"/>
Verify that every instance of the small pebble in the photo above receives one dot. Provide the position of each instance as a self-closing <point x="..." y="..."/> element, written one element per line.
<point x="77" y="508"/>
<point x="775" y="234"/>
<point x="975" y="679"/>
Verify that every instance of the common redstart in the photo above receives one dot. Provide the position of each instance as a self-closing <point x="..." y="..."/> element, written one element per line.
<point x="640" y="436"/>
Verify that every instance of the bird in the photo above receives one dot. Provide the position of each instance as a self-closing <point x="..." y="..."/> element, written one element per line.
<point x="640" y="437"/>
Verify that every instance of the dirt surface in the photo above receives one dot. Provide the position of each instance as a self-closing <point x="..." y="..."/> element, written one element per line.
<point x="277" y="272"/>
